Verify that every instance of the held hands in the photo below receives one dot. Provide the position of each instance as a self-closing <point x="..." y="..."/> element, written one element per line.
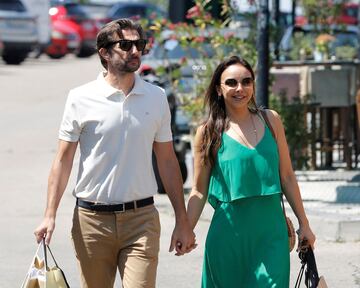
<point x="45" y="230"/>
<point x="183" y="239"/>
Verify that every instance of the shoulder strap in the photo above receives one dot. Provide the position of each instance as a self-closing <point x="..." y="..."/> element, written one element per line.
<point x="267" y="121"/>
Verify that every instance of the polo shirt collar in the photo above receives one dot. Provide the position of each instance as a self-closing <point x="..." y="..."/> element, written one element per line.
<point x="107" y="90"/>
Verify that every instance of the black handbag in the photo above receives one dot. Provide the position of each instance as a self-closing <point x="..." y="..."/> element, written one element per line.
<point x="308" y="264"/>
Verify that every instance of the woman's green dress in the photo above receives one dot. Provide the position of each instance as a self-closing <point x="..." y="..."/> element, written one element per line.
<point x="247" y="242"/>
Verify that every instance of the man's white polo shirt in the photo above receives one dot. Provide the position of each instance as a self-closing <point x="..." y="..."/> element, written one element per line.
<point x="116" y="135"/>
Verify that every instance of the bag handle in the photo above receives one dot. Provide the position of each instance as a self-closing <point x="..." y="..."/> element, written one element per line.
<point x="268" y="124"/>
<point x="311" y="274"/>
<point x="46" y="247"/>
<point x="300" y="275"/>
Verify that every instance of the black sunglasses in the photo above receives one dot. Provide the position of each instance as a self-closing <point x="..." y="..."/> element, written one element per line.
<point x="126" y="45"/>
<point x="233" y="83"/>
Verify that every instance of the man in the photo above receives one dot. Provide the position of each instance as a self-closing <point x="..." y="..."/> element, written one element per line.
<point x="117" y="120"/>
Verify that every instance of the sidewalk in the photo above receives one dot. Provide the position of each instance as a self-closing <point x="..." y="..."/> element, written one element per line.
<point x="332" y="203"/>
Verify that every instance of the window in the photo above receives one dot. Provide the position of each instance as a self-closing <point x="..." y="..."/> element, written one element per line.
<point x="12" y="5"/>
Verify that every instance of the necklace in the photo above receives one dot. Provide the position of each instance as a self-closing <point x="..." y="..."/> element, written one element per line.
<point x="242" y="137"/>
<point x="254" y="127"/>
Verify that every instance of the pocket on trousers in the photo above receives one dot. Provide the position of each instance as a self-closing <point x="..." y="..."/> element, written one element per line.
<point x="91" y="228"/>
<point x="152" y="230"/>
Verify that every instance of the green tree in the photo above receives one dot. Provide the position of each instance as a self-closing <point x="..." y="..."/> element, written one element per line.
<point x="203" y="31"/>
<point x="293" y="115"/>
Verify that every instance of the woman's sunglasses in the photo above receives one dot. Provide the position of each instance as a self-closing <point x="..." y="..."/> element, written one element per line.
<point x="126" y="45"/>
<point x="233" y="83"/>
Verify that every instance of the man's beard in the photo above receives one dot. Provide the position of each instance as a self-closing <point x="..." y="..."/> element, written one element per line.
<point x="130" y="67"/>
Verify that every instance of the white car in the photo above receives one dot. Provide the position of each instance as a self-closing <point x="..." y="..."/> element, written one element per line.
<point x="18" y="31"/>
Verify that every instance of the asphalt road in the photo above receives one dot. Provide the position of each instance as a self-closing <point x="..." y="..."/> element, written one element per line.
<point x="32" y="102"/>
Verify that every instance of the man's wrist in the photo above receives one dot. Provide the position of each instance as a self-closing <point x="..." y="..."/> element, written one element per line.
<point x="182" y="218"/>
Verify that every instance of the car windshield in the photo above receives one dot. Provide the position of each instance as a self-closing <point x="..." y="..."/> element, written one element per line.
<point x="95" y="11"/>
<point x="75" y="10"/>
<point x="12" y="5"/>
<point x="345" y="39"/>
<point x="129" y="11"/>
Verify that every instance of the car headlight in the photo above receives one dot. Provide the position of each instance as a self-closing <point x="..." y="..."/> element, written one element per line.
<point x="57" y="35"/>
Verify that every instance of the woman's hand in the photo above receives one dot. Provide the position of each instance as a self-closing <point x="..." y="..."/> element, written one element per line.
<point x="305" y="236"/>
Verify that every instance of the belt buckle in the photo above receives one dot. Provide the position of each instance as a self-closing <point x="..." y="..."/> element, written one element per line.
<point x="122" y="210"/>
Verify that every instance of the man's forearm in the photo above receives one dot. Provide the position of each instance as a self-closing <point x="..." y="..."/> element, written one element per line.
<point x="58" y="178"/>
<point x="171" y="177"/>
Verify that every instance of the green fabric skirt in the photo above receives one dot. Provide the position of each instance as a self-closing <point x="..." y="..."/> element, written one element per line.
<point x="247" y="245"/>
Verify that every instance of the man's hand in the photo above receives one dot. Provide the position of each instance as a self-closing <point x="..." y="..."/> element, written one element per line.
<point x="45" y="230"/>
<point x="183" y="239"/>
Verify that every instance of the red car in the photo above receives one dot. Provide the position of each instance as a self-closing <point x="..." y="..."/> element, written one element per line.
<point x="74" y="16"/>
<point x="64" y="40"/>
<point x="349" y="13"/>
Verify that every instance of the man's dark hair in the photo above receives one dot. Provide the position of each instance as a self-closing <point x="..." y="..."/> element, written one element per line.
<point x="105" y="37"/>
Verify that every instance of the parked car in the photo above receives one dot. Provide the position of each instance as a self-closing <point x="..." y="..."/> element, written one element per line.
<point x="179" y="125"/>
<point x="343" y="42"/>
<point x="98" y="12"/>
<point x="64" y="40"/>
<point x="348" y="15"/>
<point x="18" y="30"/>
<point x="1" y="46"/>
<point x="136" y="10"/>
<point x="74" y="15"/>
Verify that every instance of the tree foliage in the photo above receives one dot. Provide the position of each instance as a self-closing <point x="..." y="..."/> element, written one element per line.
<point x="200" y="32"/>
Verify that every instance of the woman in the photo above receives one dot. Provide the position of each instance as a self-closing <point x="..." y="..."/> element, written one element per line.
<point x="238" y="167"/>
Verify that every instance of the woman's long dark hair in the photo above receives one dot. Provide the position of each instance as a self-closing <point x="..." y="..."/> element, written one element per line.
<point x="217" y="120"/>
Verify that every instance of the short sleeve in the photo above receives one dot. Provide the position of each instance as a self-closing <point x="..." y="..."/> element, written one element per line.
<point x="70" y="125"/>
<point x="164" y="134"/>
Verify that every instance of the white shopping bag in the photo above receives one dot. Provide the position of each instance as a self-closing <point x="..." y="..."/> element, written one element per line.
<point x="40" y="275"/>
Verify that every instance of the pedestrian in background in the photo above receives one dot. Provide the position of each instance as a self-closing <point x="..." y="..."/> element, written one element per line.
<point x="238" y="167"/>
<point x="118" y="120"/>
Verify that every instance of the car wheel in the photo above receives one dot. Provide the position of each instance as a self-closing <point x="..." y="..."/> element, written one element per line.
<point x="161" y="189"/>
<point x="13" y="59"/>
<point x="85" y="52"/>
<point x="56" y="56"/>
<point x="183" y="169"/>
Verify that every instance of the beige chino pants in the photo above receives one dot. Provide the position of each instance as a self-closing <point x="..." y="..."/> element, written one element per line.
<point x="127" y="241"/>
